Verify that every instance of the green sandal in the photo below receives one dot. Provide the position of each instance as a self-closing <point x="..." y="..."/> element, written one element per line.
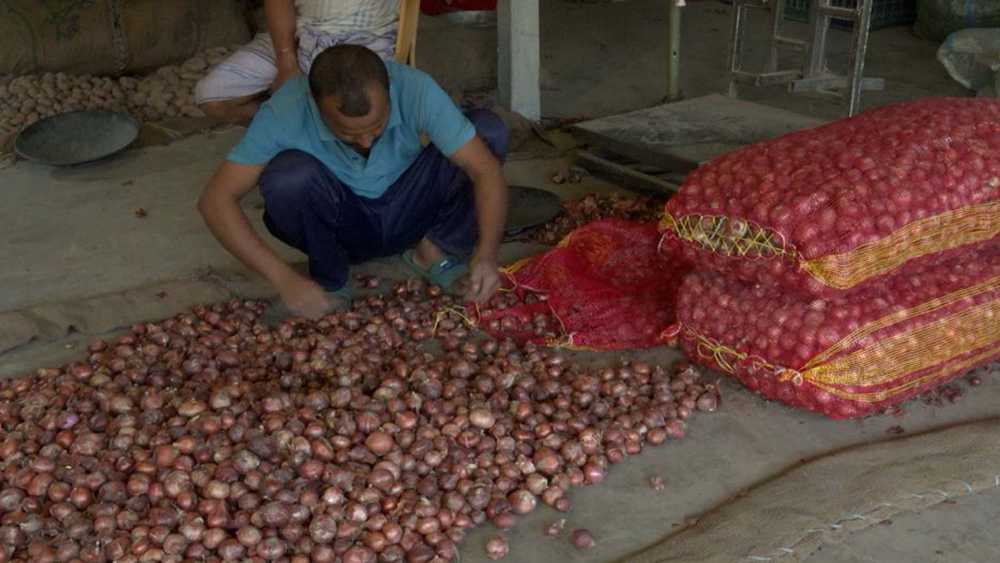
<point x="444" y="274"/>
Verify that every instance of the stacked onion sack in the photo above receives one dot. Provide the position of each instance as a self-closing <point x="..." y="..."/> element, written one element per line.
<point x="210" y="437"/>
<point x="847" y="268"/>
<point x="168" y="92"/>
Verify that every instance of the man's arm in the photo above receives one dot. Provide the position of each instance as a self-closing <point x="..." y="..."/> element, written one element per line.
<point x="490" y="189"/>
<point x="220" y="206"/>
<point x="280" y="16"/>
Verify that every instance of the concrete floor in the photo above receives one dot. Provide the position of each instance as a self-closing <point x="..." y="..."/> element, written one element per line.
<point x="956" y="535"/>
<point x="79" y="263"/>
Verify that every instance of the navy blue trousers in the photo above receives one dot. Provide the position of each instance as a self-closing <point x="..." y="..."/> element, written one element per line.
<point x="307" y="207"/>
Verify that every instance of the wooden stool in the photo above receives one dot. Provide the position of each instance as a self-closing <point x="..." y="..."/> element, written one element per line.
<point x="406" y="36"/>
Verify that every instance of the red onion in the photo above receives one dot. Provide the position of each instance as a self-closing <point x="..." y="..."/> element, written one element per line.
<point x="582" y="539"/>
<point x="359" y="554"/>
<point x="482" y="418"/>
<point x="708" y="402"/>
<point x="555" y="528"/>
<point x="497" y="548"/>
<point x="522" y="501"/>
<point x="593" y="474"/>
<point x="379" y="443"/>
<point x="547" y="461"/>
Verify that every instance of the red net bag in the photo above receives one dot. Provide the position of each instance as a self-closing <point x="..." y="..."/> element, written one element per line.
<point x="604" y="287"/>
<point x="438" y="7"/>
<point x="841" y="207"/>
<point x="851" y="355"/>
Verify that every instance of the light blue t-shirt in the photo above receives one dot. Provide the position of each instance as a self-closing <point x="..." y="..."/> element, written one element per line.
<point x="291" y="120"/>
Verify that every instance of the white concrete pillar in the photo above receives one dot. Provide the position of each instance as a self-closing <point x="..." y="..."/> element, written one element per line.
<point x="519" y="51"/>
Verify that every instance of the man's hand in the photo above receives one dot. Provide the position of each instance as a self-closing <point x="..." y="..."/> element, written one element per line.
<point x="281" y="26"/>
<point x="286" y="69"/>
<point x="220" y="206"/>
<point x="491" y="211"/>
<point x="304" y="297"/>
<point x="484" y="280"/>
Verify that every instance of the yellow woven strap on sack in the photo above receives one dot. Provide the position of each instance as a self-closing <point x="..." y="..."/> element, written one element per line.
<point x="937" y="349"/>
<point x="969" y="336"/>
<point x="911" y="351"/>
<point x="941" y="373"/>
<point x="945" y="231"/>
<point x="513" y="268"/>
<point x="930" y="235"/>
<point x="854" y="338"/>
<point x="727" y="236"/>
<point x="728" y="358"/>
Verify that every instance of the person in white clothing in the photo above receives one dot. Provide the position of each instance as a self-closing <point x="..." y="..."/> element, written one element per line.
<point x="298" y="31"/>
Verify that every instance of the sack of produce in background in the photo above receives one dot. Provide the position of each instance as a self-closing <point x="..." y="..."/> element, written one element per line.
<point x="604" y="287"/>
<point x="111" y="37"/>
<point x="936" y="19"/>
<point x="851" y="355"/>
<point x="842" y="207"/>
<point x="972" y="58"/>
<point x="166" y="93"/>
<point x="438" y="7"/>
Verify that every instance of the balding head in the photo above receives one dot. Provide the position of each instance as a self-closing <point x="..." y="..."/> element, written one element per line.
<point x="350" y="84"/>
<point x="347" y="73"/>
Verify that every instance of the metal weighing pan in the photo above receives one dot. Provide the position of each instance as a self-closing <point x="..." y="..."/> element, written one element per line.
<point x="77" y="137"/>
<point x="528" y="208"/>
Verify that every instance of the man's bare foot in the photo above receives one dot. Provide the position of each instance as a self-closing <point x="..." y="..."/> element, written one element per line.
<point x="426" y="254"/>
<point x="239" y="111"/>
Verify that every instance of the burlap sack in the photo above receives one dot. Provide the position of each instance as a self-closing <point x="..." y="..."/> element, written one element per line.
<point x="823" y="502"/>
<point x="113" y="36"/>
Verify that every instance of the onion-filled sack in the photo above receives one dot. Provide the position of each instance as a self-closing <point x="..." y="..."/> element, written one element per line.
<point x="848" y="356"/>
<point x="839" y="208"/>
<point x="605" y="287"/>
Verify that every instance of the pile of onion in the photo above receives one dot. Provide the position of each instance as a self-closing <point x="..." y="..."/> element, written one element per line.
<point x="376" y="434"/>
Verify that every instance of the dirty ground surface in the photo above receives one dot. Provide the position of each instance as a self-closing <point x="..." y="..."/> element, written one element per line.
<point x="79" y="262"/>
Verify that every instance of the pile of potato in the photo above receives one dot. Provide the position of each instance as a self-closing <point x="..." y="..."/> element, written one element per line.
<point x="168" y="92"/>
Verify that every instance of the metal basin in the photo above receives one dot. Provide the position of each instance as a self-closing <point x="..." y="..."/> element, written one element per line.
<point x="528" y="208"/>
<point x="77" y="137"/>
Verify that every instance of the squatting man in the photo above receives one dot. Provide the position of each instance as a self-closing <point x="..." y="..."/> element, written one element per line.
<point x="345" y="178"/>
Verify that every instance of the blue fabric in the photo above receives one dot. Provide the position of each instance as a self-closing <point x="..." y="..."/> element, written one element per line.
<point x="308" y="207"/>
<point x="290" y="120"/>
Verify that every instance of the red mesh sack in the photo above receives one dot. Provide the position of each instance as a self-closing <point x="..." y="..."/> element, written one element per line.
<point x="438" y="7"/>
<point x="844" y="206"/>
<point x="605" y="285"/>
<point x="851" y="355"/>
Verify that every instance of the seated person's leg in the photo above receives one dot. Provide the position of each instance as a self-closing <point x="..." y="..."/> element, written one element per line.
<point x="308" y="208"/>
<point x="235" y="88"/>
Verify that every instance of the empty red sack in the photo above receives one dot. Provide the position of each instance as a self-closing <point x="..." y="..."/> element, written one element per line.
<point x="606" y="284"/>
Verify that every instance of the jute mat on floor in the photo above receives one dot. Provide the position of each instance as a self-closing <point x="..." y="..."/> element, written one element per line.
<point x="823" y="501"/>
